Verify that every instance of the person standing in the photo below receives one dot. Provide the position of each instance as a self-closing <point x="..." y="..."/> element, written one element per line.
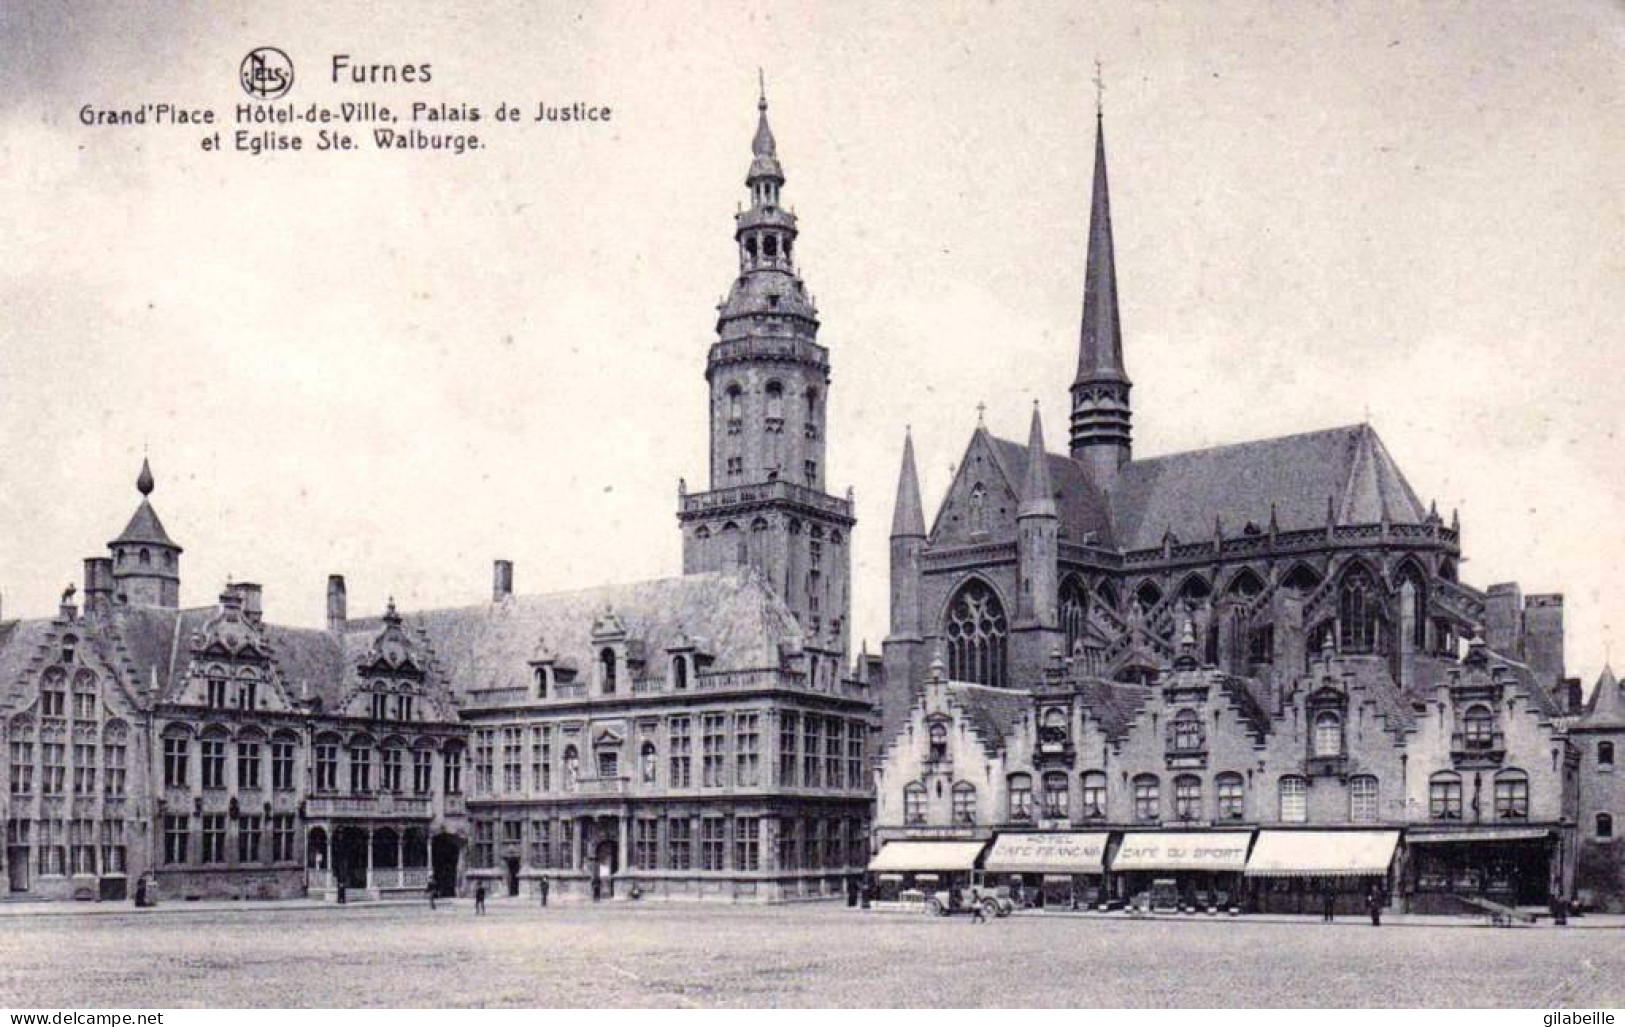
<point x="479" y="899"/>
<point x="541" y="888"/>
<point x="1328" y="902"/>
<point x="1373" y="903"/>
<point x="429" y="890"/>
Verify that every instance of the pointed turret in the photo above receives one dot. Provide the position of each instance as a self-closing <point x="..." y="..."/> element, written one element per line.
<point x="908" y="516"/>
<point x="146" y="561"/>
<point x="1037" y="491"/>
<point x="1100" y="391"/>
<point x="1038" y="529"/>
<point x="1606" y="707"/>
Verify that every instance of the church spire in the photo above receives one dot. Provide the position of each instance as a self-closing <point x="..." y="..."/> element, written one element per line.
<point x="908" y="518"/>
<point x="1100" y="390"/>
<point x="1037" y="492"/>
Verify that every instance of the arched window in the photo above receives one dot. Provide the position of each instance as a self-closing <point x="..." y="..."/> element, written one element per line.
<point x="1021" y="798"/>
<point x="247" y="691"/>
<point x="1302" y="579"/>
<point x="1231" y="797"/>
<point x="1444" y="796"/>
<point x="144" y="558"/>
<point x="1294" y="800"/>
<point x="1094" y="795"/>
<point x="1363" y="799"/>
<point x="1511" y="795"/>
<point x="1478" y="728"/>
<point x="977" y="632"/>
<point x="1188" y="797"/>
<point x="1074" y="613"/>
<point x="606" y="669"/>
<point x="914" y="804"/>
<point x="1605" y="825"/>
<point x="1357" y="611"/>
<point x="1187" y="731"/>
<point x="1147" y="799"/>
<point x="978" y="509"/>
<point x="541" y="682"/>
<point x="1328" y="734"/>
<point x="1410" y="574"/>
<point x="964" y="803"/>
<point x="1245" y="585"/>
<point x="1147" y="595"/>
<point x="679" y="672"/>
<point x="1056" y="795"/>
<point x="1195" y="589"/>
<point x="1605" y="754"/>
<point x="938" y="742"/>
<point x="1106" y="592"/>
<point x="775" y="401"/>
<point x="736" y="403"/>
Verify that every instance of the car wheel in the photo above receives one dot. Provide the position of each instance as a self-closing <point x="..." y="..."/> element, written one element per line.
<point x="935" y="908"/>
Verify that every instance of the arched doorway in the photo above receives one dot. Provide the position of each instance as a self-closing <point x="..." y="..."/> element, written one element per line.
<point x="350" y="857"/>
<point x="445" y="850"/>
<point x="605" y="865"/>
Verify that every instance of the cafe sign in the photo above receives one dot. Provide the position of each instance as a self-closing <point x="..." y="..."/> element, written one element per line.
<point x="1048" y="853"/>
<point x="1183" y="851"/>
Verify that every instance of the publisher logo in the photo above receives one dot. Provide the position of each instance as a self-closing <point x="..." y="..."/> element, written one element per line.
<point x="266" y="73"/>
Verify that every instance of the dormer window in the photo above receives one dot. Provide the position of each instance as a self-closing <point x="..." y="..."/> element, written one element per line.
<point x="1478" y="728"/>
<point x="606" y="670"/>
<point x="247" y="694"/>
<point x="380" y="706"/>
<point x="679" y="673"/>
<point x="217" y="693"/>
<point x="541" y="682"/>
<point x="938" y="743"/>
<point x="69" y="644"/>
<point x="403" y="707"/>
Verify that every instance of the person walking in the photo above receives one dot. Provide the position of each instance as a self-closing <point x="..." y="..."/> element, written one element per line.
<point x="479" y="899"/>
<point x="429" y="890"/>
<point x="1373" y="903"/>
<point x="978" y="915"/>
<point x="541" y="889"/>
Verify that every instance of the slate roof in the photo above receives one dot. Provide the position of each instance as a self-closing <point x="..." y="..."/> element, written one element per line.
<point x="145" y="528"/>
<point x="1606" y="707"/>
<point x="1114" y="704"/>
<point x="996" y="713"/>
<point x="1081" y="506"/>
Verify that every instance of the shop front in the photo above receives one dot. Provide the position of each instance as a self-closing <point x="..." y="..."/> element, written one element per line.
<point x="1052" y="870"/>
<point x="1294" y="871"/>
<point x="1181" y="870"/>
<point x="904" y="874"/>
<point x="1450" y="870"/>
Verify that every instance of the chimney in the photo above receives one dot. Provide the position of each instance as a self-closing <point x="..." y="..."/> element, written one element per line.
<point x="337" y="604"/>
<point x="98" y="584"/>
<point x="501" y="580"/>
<point x="252" y="597"/>
<point x="1503" y="619"/>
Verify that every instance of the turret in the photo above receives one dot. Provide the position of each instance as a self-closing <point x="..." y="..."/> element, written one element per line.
<point x="903" y="651"/>
<point x="1037" y="535"/>
<point x="146" y="563"/>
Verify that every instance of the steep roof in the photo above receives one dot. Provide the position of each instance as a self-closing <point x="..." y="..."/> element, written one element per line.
<point x="908" y="516"/>
<point x="1296" y="474"/>
<point x="1100" y="344"/>
<point x="1081" y="506"/>
<point x="145" y="528"/>
<point x="1605" y="707"/>
<point x="995" y="713"/>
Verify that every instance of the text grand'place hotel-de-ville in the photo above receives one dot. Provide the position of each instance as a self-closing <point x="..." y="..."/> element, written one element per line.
<point x="1232" y="679"/>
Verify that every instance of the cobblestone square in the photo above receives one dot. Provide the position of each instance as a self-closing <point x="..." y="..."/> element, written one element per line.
<point x="687" y="955"/>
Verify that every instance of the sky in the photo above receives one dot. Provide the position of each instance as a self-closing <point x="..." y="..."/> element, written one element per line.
<point x="401" y="366"/>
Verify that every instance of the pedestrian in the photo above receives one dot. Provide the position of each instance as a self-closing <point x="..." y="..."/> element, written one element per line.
<point x="429" y="890"/>
<point x="597" y="888"/>
<point x="479" y="899"/>
<point x="1373" y="903"/>
<point x="341" y="893"/>
<point x="978" y="914"/>
<point x="1328" y="902"/>
<point x="541" y="888"/>
<point x="1560" y="908"/>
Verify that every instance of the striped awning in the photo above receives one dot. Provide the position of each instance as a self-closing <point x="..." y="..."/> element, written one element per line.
<point x="918" y="856"/>
<point x="1322" y="854"/>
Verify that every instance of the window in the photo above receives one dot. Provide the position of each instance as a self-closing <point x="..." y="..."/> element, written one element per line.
<point x="834" y="742"/>
<point x="713" y="842"/>
<point x="82" y="846"/>
<point x="606" y="670"/>
<point x="485" y="849"/>
<point x="567" y="844"/>
<point x="1052" y="734"/>
<point x="422" y="771"/>
<point x="84" y="769"/>
<point x="391" y="759"/>
<point x="854" y="754"/>
<point x="648" y="762"/>
<point x="53" y="700"/>
<point x="513" y="760"/>
<point x="484" y="754"/>
<point x="812" y="755"/>
<point x="453" y="771"/>
<point x="1094" y="795"/>
<point x="1363" y="799"/>
<point x="1512" y="795"/>
<point x="1074" y="613"/>
<point x="1188" y="797"/>
<point x="247" y="694"/>
<point x="713" y="750"/>
<point x="115" y="854"/>
<point x="1147" y="798"/>
<point x="380" y="706"/>
<point x="176" y="827"/>
<point x="327" y="767"/>
<point x="403" y="707"/>
<point x="52" y="853"/>
<point x="679" y="742"/>
<point x="679" y="673"/>
<point x="682" y="843"/>
<point x="1294" y="800"/>
<point x="84" y="698"/>
<point x="1187" y="731"/>
<point x="1231" y="795"/>
<point x="964" y="803"/>
<point x="914" y="804"/>
<point x="513" y="832"/>
<point x="977" y="632"/>
<point x="541" y="758"/>
<point x="216" y="692"/>
<point x="213" y="762"/>
<point x="789" y="843"/>
<point x="22" y="761"/>
<point x="1605" y="755"/>
<point x="541" y="843"/>
<point x="115" y="756"/>
<point x="53" y="769"/>
<point x="214" y="838"/>
<point x="747" y="750"/>
<point x="609" y="763"/>
<point x="1056" y="795"/>
<point x="248" y="764"/>
<point x="360" y="770"/>
<point x="646" y="843"/>
<point x="282" y="836"/>
<point x="248" y="839"/>
<point x="747" y="844"/>
<point x="789" y="741"/>
<point x="1478" y="728"/>
<point x="1357" y="612"/>
<point x="938" y="750"/>
<point x="1605" y="825"/>
<point x="1328" y="734"/>
<point x="1021" y="797"/>
<point x="1444" y="797"/>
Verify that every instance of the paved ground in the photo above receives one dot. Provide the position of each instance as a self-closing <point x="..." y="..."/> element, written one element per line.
<point x="682" y="955"/>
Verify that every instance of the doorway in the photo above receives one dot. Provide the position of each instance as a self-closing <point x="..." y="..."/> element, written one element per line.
<point x="17" y="864"/>
<point x="605" y="865"/>
<point x="512" y="863"/>
<point x="350" y="857"/>
<point x="443" y="860"/>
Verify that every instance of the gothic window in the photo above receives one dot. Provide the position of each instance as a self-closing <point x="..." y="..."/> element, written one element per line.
<point x="1410" y="574"/>
<point x="1021" y="798"/>
<point x="1478" y="728"/>
<point x="1231" y="797"/>
<point x="1147" y="799"/>
<point x="978" y="509"/>
<point x="1357" y="610"/>
<point x="1188" y="797"/>
<point x="1056" y="795"/>
<point x="1294" y="800"/>
<point x="938" y="742"/>
<point x="1301" y="579"/>
<point x="1512" y="795"/>
<point x="1106" y="592"/>
<point x="1094" y="795"/>
<point x="977" y="633"/>
<point x="1444" y="796"/>
<point x="606" y="670"/>
<point x="1147" y="595"/>
<point x="914" y="804"/>
<point x="1245" y="585"/>
<point x="1605" y="825"/>
<point x="1363" y="799"/>
<point x="1328" y="734"/>
<point x="964" y="803"/>
<point x="1074" y="612"/>
<point x="1194" y="589"/>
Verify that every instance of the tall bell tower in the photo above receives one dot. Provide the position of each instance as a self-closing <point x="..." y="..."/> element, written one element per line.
<point x="766" y="507"/>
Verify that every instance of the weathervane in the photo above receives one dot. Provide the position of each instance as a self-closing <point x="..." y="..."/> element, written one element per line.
<point x="1100" y="89"/>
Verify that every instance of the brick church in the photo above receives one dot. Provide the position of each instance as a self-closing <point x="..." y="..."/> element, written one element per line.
<point x="1255" y="640"/>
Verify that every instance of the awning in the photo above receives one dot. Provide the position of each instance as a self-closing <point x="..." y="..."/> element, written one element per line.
<point x="919" y="856"/>
<point x="1220" y="851"/>
<point x="1051" y="853"/>
<point x="1467" y="834"/>
<point x="1322" y="854"/>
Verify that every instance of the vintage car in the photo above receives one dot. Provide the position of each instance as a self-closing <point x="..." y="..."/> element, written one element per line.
<point x="970" y="897"/>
